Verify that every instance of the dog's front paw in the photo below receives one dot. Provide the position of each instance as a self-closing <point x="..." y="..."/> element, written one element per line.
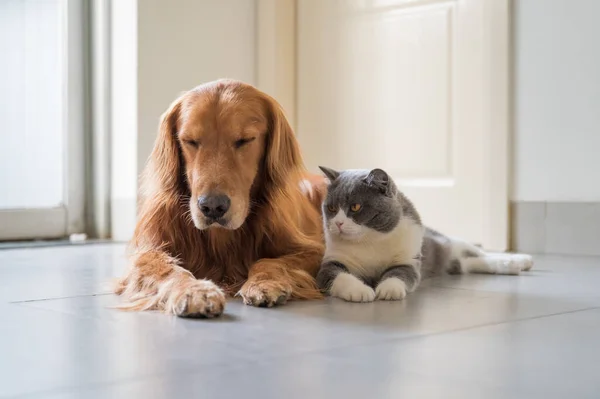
<point x="265" y="293"/>
<point x="391" y="289"/>
<point x="352" y="289"/>
<point x="199" y="298"/>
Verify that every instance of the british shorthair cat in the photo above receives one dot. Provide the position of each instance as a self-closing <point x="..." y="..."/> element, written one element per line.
<point x="377" y="247"/>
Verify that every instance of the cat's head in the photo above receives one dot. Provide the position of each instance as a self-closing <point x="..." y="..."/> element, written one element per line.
<point x="360" y="204"/>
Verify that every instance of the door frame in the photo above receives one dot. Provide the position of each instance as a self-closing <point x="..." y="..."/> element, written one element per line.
<point x="276" y="52"/>
<point x="276" y="74"/>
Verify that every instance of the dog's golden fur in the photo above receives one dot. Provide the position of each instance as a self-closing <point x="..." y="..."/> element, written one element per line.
<point x="271" y="246"/>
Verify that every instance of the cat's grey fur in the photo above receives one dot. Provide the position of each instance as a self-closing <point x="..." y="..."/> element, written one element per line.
<point x="382" y="250"/>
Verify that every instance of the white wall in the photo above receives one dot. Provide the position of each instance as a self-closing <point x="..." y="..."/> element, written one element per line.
<point x="172" y="46"/>
<point x="160" y="49"/>
<point x="557" y="110"/>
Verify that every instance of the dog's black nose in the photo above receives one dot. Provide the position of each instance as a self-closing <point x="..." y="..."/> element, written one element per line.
<point x="214" y="206"/>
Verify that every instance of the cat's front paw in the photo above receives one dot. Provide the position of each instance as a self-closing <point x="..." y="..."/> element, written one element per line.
<point x="391" y="289"/>
<point x="352" y="289"/>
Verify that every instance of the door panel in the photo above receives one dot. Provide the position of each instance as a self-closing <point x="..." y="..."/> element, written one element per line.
<point x="402" y="85"/>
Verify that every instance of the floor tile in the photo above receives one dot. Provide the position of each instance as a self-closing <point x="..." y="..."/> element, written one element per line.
<point x="44" y="350"/>
<point x="529" y="359"/>
<point x="308" y="326"/>
<point x="565" y="278"/>
<point x="55" y="272"/>
<point x="475" y="336"/>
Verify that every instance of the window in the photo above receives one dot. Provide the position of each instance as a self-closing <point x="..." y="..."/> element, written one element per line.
<point x="42" y="117"/>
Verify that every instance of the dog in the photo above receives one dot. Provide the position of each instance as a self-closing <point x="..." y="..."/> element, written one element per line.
<point x="226" y="207"/>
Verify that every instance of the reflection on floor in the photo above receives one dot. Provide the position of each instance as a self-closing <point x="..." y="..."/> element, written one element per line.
<point x="483" y="337"/>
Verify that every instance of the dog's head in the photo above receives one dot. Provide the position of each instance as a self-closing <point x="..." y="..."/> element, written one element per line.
<point x="223" y="144"/>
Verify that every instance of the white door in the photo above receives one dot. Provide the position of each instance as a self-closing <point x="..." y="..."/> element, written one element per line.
<point x="418" y="88"/>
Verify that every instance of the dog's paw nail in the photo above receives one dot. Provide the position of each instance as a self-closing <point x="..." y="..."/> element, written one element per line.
<point x="281" y="300"/>
<point x="201" y="299"/>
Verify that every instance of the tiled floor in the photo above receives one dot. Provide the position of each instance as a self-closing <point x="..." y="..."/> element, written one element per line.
<point x="481" y="337"/>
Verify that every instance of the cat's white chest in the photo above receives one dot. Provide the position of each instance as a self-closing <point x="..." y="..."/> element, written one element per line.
<point x="377" y="251"/>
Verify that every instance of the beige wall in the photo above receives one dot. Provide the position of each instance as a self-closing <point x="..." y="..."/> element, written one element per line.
<point x="159" y="49"/>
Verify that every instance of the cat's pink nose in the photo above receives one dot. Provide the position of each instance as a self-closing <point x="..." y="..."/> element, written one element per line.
<point x="339" y="224"/>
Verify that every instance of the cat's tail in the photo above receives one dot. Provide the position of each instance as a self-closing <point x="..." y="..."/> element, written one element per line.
<point x="468" y="258"/>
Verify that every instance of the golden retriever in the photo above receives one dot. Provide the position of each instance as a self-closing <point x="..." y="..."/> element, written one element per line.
<point x="226" y="207"/>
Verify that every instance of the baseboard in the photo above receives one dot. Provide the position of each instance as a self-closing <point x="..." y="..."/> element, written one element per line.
<point x="24" y="224"/>
<point x="563" y="228"/>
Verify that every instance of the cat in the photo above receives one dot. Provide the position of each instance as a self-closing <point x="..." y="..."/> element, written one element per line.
<point x="378" y="249"/>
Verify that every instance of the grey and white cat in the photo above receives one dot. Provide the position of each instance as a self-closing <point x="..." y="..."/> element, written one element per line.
<point x="377" y="247"/>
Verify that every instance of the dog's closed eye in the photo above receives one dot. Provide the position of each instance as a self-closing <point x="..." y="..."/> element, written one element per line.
<point x="242" y="142"/>
<point x="192" y="143"/>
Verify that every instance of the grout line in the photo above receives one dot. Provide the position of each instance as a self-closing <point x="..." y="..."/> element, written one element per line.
<point x="93" y="386"/>
<point x="62" y="297"/>
<point x="464" y="289"/>
<point x="200" y="368"/>
<point x="434" y="334"/>
<point x="260" y="362"/>
<point x="498" y="323"/>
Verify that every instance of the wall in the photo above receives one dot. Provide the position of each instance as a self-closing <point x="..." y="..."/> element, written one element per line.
<point x="160" y="49"/>
<point x="557" y="126"/>
<point x="557" y="110"/>
<point x="184" y="43"/>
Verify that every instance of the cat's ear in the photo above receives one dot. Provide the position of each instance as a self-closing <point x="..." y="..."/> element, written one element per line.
<point x="380" y="179"/>
<point x="330" y="173"/>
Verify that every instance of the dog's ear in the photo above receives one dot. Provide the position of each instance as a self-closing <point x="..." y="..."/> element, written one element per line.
<point x="165" y="166"/>
<point x="282" y="152"/>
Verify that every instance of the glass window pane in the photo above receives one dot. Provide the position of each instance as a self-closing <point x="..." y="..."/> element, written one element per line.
<point x="31" y="107"/>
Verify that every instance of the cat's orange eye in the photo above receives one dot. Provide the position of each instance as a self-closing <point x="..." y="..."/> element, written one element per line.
<point x="355" y="207"/>
<point x="331" y="208"/>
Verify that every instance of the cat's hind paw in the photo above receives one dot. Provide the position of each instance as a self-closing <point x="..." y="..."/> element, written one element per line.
<point x="391" y="289"/>
<point x="526" y="261"/>
<point x="506" y="263"/>
<point x="351" y="289"/>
